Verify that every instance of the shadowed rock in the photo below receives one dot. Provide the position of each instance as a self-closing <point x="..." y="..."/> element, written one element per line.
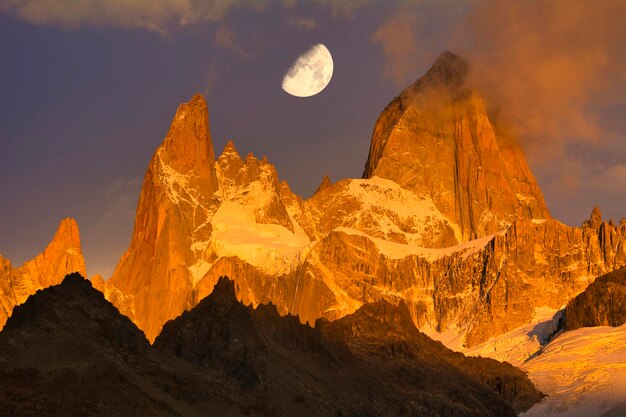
<point x="603" y="303"/>
<point x="374" y="362"/>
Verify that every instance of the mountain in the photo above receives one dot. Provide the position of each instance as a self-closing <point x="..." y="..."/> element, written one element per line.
<point x="436" y="139"/>
<point x="337" y="368"/>
<point x="62" y="256"/>
<point x="174" y="207"/>
<point x="69" y="352"/>
<point x="603" y="303"/>
<point x="406" y="232"/>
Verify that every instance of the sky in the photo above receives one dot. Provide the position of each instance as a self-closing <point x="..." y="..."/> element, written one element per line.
<point x="88" y="90"/>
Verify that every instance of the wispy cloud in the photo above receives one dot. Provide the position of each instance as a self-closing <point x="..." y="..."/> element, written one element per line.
<point x="153" y="15"/>
<point x="398" y="40"/>
<point x="301" y="22"/>
<point x="549" y="68"/>
<point x="225" y="38"/>
<point x="160" y="16"/>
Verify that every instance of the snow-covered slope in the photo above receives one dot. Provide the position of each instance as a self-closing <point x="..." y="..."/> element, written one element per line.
<point x="270" y="247"/>
<point x="583" y="372"/>
<point x="520" y="344"/>
<point x="384" y="210"/>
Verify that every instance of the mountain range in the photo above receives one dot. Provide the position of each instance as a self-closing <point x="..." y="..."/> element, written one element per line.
<point x="447" y="231"/>
<point x="69" y="352"/>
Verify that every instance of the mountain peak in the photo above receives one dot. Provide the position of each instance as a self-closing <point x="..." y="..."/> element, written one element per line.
<point x="67" y="233"/>
<point x="326" y="184"/>
<point x="448" y="70"/>
<point x="230" y="149"/>
<point x="188" y="144"/>
<point x="441" y="115"/>
<point x="595" y="220"/>
<point x="224" y="290"/>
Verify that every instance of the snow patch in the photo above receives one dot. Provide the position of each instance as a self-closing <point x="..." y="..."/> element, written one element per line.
<point x="453" y="338"/>
<point x="521" y="343"/>
<point x="199" y="270"/>
<point x="391" y="210"/>
<point x="394" y="250"/>
<point x="270" y="247"/>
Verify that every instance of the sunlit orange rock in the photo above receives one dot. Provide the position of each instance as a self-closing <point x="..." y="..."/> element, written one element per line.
<point x="449" y="220"/>
<point x="437" y="140"/>
<point x="62" y="256"/>
<point x="153" y="278"/>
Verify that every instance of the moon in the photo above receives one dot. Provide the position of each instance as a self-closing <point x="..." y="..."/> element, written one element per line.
<point x="310" y="73"/>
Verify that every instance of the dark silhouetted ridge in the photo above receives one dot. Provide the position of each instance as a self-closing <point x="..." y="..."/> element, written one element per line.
<point x="372" y="363"/>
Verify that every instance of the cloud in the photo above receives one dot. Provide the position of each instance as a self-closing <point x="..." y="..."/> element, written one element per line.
<point x="161" y="16"/>
<point x="554" y="70"/>
<point x="343" y="8"/>
<point x="225" y="38"/>
<point x="301" y="22"/>
<point x="549" y="65"/>
<point x="153" y="15"/>
<point x="414" y="33"/>
<point x="398" y="40"/>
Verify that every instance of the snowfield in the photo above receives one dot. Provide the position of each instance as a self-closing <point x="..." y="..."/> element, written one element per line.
<point x="582" y="372"/>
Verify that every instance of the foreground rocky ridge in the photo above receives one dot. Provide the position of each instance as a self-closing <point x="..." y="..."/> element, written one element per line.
<point x="392" y="369"/>
<point x="362" y="240"/>
<point x="62" y="256"/>
<point x="67" y="351"/>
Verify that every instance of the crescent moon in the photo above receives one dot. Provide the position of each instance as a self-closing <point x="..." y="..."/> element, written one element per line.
<point x="310" y="73"/>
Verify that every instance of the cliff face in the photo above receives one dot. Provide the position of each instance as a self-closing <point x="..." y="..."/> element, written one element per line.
<point x="603" y="303"/>
<point x="62" y="256"/>
<point x="155" y="275"/>
<point x="436" y="139"/>
<point x="478" y="289"/>
<point x="449" y="219"/>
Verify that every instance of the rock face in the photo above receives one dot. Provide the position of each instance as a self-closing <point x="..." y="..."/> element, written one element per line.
<point x="386" y="367"/>
<point x="62" y="256"/>
<point x="449" y="220"/>
<point x="436" y="139"/>
<point x="69" y="352"/>
<point x="603" y="303"/>
<point x="154" y="276"/>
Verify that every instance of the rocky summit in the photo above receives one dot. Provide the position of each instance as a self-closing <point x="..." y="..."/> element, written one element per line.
<point x="62" y="256"/>
<point x="448" y="219"/>
<point x="436" y="140"/>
